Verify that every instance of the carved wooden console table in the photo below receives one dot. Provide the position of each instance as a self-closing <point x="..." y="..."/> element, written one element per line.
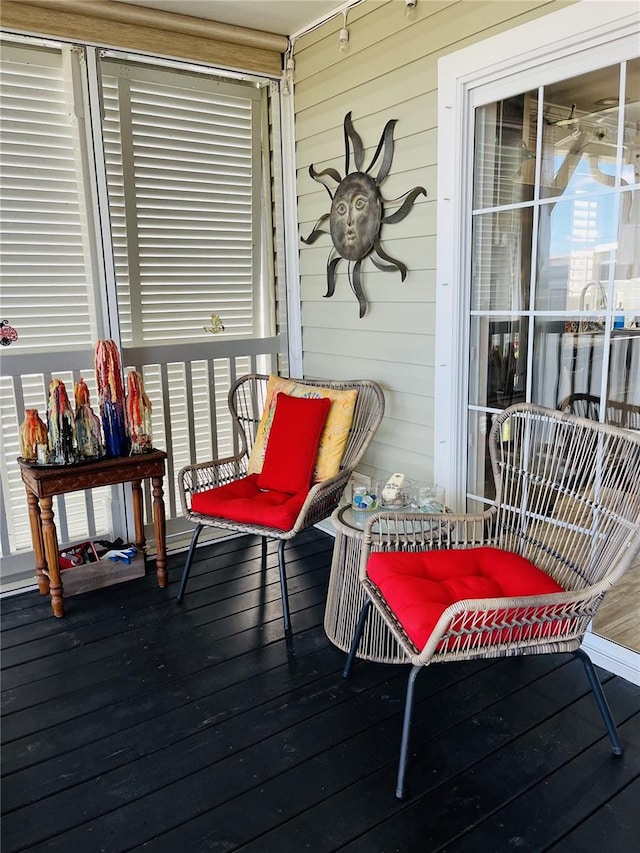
<point x="43" y="482"/>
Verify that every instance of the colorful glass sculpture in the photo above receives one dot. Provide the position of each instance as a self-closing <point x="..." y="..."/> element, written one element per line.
<point x="33" y="432"/>
<point x="111" y="398"/>
<point x="88" y="427"/>
<point x="60" y="422"/>
<point x="138" y="414"/>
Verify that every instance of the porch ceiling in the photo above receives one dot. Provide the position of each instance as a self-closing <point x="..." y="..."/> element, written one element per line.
<point x="273" y="16"/>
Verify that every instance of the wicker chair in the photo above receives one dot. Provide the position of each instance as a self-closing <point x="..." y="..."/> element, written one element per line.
<point x="617" y="413"/>
<point x="568" y="501"/>
<point x="247" y="398"/>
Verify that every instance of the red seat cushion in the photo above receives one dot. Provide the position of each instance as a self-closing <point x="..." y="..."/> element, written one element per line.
<point x="293" y="442"/>
<point x="243" y="501"/>
<point x="418" y="587"/>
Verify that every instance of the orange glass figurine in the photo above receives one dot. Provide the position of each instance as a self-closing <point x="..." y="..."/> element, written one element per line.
<point x="33" y="433"/>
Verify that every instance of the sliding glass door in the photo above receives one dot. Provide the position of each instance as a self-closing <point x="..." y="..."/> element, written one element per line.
<point x="555" y="269"/>
<point x="553" y="307"/>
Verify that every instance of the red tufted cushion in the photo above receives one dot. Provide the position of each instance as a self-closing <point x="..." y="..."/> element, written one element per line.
<point x="418" y="587"/>
<point x="293" y="442"/>
<point x="243" y="501"/>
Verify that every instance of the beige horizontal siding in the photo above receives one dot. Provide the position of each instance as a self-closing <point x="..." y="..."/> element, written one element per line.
<point x="395" y="317"/>
<point x="410" y="113"/>
<point x="388" y="46"/>
<point x="389" y="72"/>
<point x="383" y="287"/>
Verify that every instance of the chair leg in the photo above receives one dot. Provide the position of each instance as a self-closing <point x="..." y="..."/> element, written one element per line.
<point x="406" y="730"/>
<point x="263" y="560"/>
<point x="189" y="560"/>
<point x="603" y="706"/>
<point x="283" y="587"/>
<point x="362" y="619"/>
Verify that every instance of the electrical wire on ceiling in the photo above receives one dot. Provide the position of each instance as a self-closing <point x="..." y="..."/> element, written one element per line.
<point x="343" y="35"/>
<point x="336" y="13"/>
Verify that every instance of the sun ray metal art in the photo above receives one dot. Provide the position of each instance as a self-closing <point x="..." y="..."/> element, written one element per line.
<point x="358" y="212"/>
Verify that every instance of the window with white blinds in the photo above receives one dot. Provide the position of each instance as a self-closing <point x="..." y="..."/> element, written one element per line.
<point x="183" y="164"/>
<point x="46" y="274"/>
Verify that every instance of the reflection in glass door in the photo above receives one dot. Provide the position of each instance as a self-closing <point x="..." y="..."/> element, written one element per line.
<point x="555" y="279"/>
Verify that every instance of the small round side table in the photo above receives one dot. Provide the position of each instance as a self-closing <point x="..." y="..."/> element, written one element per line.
<point x="346" y="596"/>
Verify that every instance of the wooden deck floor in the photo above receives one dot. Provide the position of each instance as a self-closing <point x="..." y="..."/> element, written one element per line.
<point x="134" y="723"/>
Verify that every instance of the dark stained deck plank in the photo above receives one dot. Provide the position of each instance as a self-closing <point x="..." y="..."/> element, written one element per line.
<point x="613" y="826"/>
<point x="112" y="652"/>
<point x="49" y="637"/>
<point x="334" y="788"/>
<point x="566" y="796"/>
<point x="135" y="723"/>
<point x="437" y="817"/>
<point x="346" y="801"/>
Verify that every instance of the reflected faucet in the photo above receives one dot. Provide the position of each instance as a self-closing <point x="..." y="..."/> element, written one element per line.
<point x="601" y="298"/>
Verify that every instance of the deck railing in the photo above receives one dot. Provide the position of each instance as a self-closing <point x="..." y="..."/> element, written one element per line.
<point x="187" y="384"/>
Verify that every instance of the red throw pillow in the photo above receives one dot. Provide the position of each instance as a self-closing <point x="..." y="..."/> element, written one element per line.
<point x="293" y="443"/>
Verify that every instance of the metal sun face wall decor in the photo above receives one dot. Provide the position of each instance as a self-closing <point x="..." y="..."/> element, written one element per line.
<point x="358" y="212"/>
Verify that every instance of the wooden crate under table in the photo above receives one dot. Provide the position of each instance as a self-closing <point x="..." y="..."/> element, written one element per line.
<point x="97" y="575"/>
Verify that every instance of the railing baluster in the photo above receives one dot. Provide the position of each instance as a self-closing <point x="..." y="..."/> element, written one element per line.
<point x="213" y="408"/>
<point x="191" y="433"/>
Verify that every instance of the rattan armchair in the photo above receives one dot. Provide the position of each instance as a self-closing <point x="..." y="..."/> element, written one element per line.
<point x="247" y="398"/>
<point x="617" y="412"/>
<point x="568" y="501"/>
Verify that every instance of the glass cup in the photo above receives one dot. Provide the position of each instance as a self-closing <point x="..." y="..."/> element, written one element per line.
<point x="429" y="498"/>
<point x="364" y="499"/>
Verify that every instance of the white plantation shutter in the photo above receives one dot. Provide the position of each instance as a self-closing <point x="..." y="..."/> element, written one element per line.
<point x="46" y="286"/>
<point x="183" y="165"/>
<point x="183" y="154"/>
<point x="45" y="273"/>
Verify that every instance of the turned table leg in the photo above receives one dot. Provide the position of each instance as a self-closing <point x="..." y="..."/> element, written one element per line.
<point x="35" y="523"/>
<point x="138" y="515"/>
<point x="159" y="528"/>
<point x="50" y="540"/>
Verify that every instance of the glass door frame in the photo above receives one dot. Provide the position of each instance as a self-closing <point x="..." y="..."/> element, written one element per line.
<point x="585" y="36"/>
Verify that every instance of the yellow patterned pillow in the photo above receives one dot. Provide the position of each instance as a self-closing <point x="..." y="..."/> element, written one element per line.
<point x="334" y="435"/>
